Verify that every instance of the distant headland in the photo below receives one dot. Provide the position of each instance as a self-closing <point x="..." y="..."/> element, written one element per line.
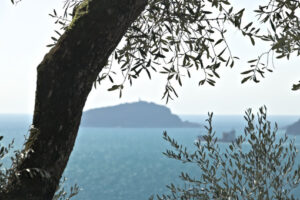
<point x="139" y="114"/>
<point x="293" y="129"/>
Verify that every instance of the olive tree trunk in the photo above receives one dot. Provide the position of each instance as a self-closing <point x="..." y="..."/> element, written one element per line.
<point x="64" y="79"/>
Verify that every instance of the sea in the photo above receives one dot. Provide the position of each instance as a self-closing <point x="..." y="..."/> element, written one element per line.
<point x="128" y="163"/>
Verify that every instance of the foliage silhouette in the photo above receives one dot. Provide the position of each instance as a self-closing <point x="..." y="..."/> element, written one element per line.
<point x="256" y="166"/>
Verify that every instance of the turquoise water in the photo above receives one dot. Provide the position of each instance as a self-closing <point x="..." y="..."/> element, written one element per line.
<point x="119" y="163"/>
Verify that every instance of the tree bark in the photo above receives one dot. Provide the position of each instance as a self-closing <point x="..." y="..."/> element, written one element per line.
<point x="65" y="78"/>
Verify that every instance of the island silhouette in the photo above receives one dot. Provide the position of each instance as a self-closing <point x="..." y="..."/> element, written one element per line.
<point x="227" y="137"/>
<point x="293" y="129"/>
<point x="139" y="114"/>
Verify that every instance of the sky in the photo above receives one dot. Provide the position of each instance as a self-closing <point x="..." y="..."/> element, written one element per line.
<point x="26" y="29"/>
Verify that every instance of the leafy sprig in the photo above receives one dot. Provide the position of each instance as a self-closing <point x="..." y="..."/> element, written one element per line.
<point x="265" y="170"/>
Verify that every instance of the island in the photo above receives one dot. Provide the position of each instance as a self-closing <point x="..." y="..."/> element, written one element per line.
<point x="226" y="137"/>
<point x="139" y="114"/>
<point x="293" y="129"/>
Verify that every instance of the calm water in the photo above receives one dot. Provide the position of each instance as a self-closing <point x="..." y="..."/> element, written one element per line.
<point x="118" y="164"/>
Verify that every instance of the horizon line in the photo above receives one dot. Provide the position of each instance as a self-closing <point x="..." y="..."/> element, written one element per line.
<point x="183" y="114"/>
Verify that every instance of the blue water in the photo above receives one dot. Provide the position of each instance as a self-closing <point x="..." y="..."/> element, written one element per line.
<point x="119" y="163"/>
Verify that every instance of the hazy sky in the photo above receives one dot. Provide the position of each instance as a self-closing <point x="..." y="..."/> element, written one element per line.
<point x="26" y="30"/>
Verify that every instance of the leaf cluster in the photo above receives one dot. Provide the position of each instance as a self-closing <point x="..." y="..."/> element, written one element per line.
<point x="61" y="194"/>
<point x="296" y="86"/>
<point x="64" y="19"/>
<point x="257" y="165"/>
<point x="7" y="173"/>
<point x="178" y="38"/>
<point x="4" y="173"/>
<point x="283" y="34"/>
<point x="174" y="37"/>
